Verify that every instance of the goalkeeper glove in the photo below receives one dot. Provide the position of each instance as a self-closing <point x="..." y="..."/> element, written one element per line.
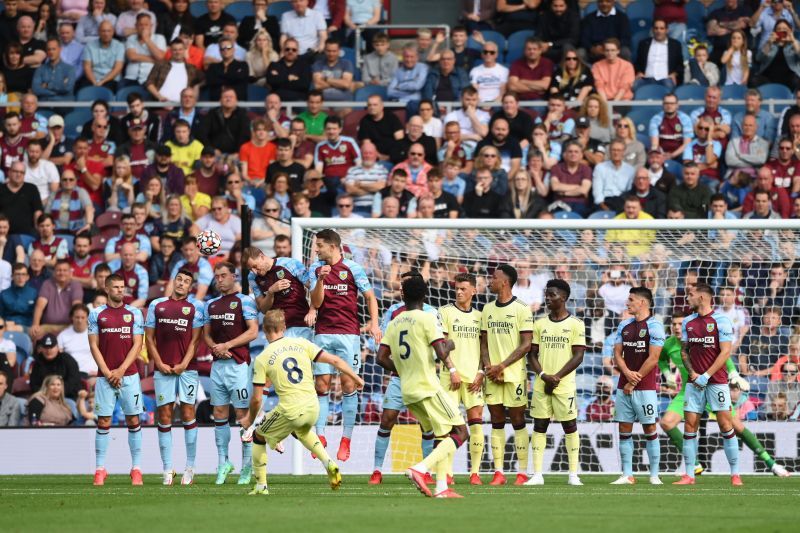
<point x="734" y="378"/>
<point x="702" y="380"/>
<point x="672" y="382"/>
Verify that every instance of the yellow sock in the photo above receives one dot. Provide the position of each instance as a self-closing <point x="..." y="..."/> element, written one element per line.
<point x="260" y="462"/>
<point x="538" y="444"/>
<point x="573" y="442"/>
<point x="447" y="446"/>
<point x="442" y="469"/>
<point x="476" y="445"/>
<point x="521" y="441"/>
<point x="498" y="441"/>
<point x="311" y="442"/>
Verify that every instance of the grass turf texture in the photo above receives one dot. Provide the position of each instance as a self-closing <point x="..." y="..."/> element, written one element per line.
<point x="71" y="503"/>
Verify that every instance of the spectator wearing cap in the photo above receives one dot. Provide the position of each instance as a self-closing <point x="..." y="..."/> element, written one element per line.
<point x="103" y="59"/>
<point x="54" y="80"/>
<point x="601" y="25"/>
<point x="612" y="178"/>
<point x="168" y="79"/>
<point x="56" y="298"/>
<point x="226" y="127"/>
<point x="660" y="178"/>
<point x="229" y="72"/>
<point x="143" y="48"/>
<point x="59" y="147"/>
<point x="660" y="59"/>
<point x="185" y="149"/>
<point x="70" y="206"/>
<point x="138" y="148"/>
<point x="17" y="301"/>
<point x="163" y="168"/>
<point x="671" y="129"/>
<point x="594" y="152"/>
<point x="49" y="360"/>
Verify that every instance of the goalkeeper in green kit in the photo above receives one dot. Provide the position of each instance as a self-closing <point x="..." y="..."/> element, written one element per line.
<point x="674" y="413"/>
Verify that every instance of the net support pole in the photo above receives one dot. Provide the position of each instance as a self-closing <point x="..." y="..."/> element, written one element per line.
<point x="297" y="253"/>
<point x="247" y="220"/>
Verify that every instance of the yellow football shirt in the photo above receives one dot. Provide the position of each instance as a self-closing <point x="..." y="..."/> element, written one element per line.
<point x="503" y="324"/>
<point x="555" y="340"/>
<point x="286" y="362"/>
<point x="464" y="329"/>
<point x="409" y="338"/>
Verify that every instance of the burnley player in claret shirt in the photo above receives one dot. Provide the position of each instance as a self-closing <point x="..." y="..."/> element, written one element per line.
<point x="173" y="327"/>
<point x="115" y="339"/>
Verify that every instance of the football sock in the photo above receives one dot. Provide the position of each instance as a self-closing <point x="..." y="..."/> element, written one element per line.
<point x="689" y="452"/>
<point x="260" y="463"/>
<point x="653" y="447"/>
<point x="165" y="445"/>
<point x="222" y="436"/>
<point x="135" y="444"/>
<point x="382" y="444"/>
<point x="731" y="446"/>
<point x="349" y="412"/>
<point x="538" y="444"/>
<point x="752" y="442"/>
<point x="573" y="442"/>
<point x="190" y="439"/>
<point x="626" y="453"/>
<point x="324" y="406"/>
<point x="442" y="468"/>
<point x="476" y="445"/>
<point x="498" y="443"/>
<point x="247" y="454"/>
<point x="521" y="443"/>
<point x="101" y="438"/>
<point x="676" y="437"/>
<point x="447" y="446"/>
<point x="427" y="444"/>
<point x="310" y="440"/>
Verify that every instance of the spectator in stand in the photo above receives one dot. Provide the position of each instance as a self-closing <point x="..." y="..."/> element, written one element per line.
<point x="38" y="269"/>
<point x="185" y="150"/>
<point x="660" y="59"/>
<point x="256" y="154"/>
<point x="515" y="15"/>
<point x="571" y="180"/>
<point x="530" y="76"/>
<point x="761" y="349"/>
<point x="142" y="49"/>
<point x="40" y="172"/>
<point x="75" y="341"/>
<point x="33" y="54"/>
<point x="601" y="409"/>
<point x="177" y="18"/>
<point x="284" y="164"/>
<point x="595" y="108"/>
<point x="20" y="201"/>
<point x="600" y="26"/>
<point x="226" y="127"/>
<point x="524" y="201"/>
<point x="162" y="262"/>
<point x="168" y="80"/>
<point x="114" y="131"/>
<point x="194" y="202"/>
<point x="778" y="291"/>
<point x="54" y="248"/>
<point x="290" y="76"/>
<point x="260" y="56"/>
<point x="722" y="22"/>
<point x="230" y="73"/>
<point x="12" y="143"/>
<point x="50" y="360"/>
<point x="209" y="26"/>
<point x="169" y="174"/>
<point x="59" y="147"/>
<point x="787" y="114"/>
<point x="409" y="77"/>
<point x="489" y="78"/>
<point x="138" y="150"/>
<point x="722" y="117"/>
<point x="489" y="157"/>
<point x="652" y="201"/>
<point x="334" y="156"/>
<point x="379" y="65"/>
<point x="478" y="16"/>
<point x="465" y="56"/>
<point x="259" y="20"/>
<point x="9" y="404"/>
<point x="88" y="28"/>
<point x="9" y="18"/>
<point x="417" y="170"/>
<point x="33" y="125"/>
<point x="765" y="120"/>
<point x="333" y="75"/>
<point x="128" y="235"/>
<point x="83" y="264"/>
<point x="55" y="79"/>
<point x="364" y="180"/>
<point x="594" y="152"/>
<point x="103" y="59"/>
<point x="445" y="205"/>
<point x="127" y="20"/>
<point x="612" y="178"/>
<point x="559" y="28"/>
<point x="671" y="129"/>
<point x="737" y="60"/>
<point x="508" y="146"/>
<point x="779" y="58"/>
<point x="699" y="70"/>
<point x="381" y="128"/>
<point x="321" y="198"/>
<point x="17" y="301"/>
<point x="278" y="122"/>
<point x="47" y="407"/>
<point x="520" y="122"/>
<point x="137" y="280"/>
<point x="692" y="197"/>
<point x="396" y="189"/>
<point x="559" y="121"/>
<point x="748" y="152"/>
<point x="445" y="82"/>
<point x="634" y="149"/>
<point x="777" y="197"/>
<point x="705" y="152"/>
<point x="637" y="242"/>
<point x="314" y="117"/>
<point x="483" y="201"/>
<point x="17" y="75"/>
<point x="769" y="16"/>
<point x="220" y="219"/>
<point x="785" y="167"/>
<point x="70" y="206"/>
<point x="176" y="226"/>
<point x="306" y="25"/>
<point x="235" y="194"/>
<point x="209" y="176"/>
<point x="572" y="79"/>
<point x="71" y="50"/>
<point x="415" y="134"/>
<point x="453" y="148"/>
<point x="213" y="55"/>
<point x="56" y="298"/>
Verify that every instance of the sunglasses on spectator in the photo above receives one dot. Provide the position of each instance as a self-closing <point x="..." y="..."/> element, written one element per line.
<point x="271" y="210"/>
<point x="702" y="129"/>
<point x="2" y="326"/>
<point x="67" y="180"/>
<point x="489" y="155"/>
<point x="416" y="153"/>
<point x="489" y="52"/>
<point x="290" y="49"/>
<point x="570" y="59"/>
<point x="622" y="126"/>
<point x="226" y="47"/>
<point x="788" y="148"/>
<point x="234" y="182"/>
<point x="344" y="206"/>
<point x="217" y="208"/>
<point x="98" y="126"/>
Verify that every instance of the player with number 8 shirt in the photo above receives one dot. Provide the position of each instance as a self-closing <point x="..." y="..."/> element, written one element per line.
<point x="231" y="323"/>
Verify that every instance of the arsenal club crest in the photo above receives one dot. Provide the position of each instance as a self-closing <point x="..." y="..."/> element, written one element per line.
<point x="709" y="328"/>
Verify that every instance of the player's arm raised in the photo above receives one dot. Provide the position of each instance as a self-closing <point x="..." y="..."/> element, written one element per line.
<point x="341" y="366"/>
<point x="495" y="372"/>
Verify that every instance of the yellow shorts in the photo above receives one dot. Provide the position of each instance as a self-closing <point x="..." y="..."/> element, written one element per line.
<point x="278" y="425"/>
<point x="559" y="406"/>
<point x="508" y="394"/>
<point x="437" y="414"/>
<point x="462" y="396"/>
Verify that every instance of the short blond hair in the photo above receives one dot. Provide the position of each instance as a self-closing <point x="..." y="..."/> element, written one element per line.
<point x="274" y="321"/>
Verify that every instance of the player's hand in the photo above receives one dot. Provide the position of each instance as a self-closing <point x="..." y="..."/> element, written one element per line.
<point x="115" y="378"/>
<point x="495" y="373"/>
<point x="280" y="285"/>
<point x="324" y="270"/>
<point x="702" y="380"/>
<point x="179" y="369"/>
<point x="477" y="385"/>
<point x="550" y="379"/>
<point x="164" y="369"/>
<point x="375" y="331"/>
<point x="548" y="389"/>
<point x="455" y="381"/>
<point x="359" y="383"/>
<point x="739" y="381"/>
<point x="628" y="388"/>
<point x="633" y="377"/>
<point x="310" y="318"/>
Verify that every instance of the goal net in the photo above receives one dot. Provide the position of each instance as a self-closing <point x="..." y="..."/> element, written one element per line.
<point x="751" y="265"/>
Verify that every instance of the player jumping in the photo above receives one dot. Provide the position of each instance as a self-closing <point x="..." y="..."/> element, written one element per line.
<point x="408" y="348"/>
<point x="637" y="347"/>
<point x="286" y="364"/>
<point x="706" y="336"/>
<point x="231" y="323"/>
<point x="115" y="339"/>
<point x="559" y="341"/>
<point x="173" y="328"/>
<point x="506" y="325"/>
<point x="335" y="283"/>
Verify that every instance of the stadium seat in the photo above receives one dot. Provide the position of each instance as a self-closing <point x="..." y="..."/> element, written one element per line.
<point x="690" y="92"/>
<point x="636" y="38"/>
<point x="675" y="167"/>
<point x="155" y="291"/>
<point x="350" y="126"/>
<point x="602" y="215"/>
<point x="651" y="92"/>
<point x="109" y="218"/>
<point x="90" y="94"/>
<point x="516" y="45"/>
<point x="640" y="15"/>
<point x="239" y="10"/>
<point x="643" y="138"/>
<point x="733" y="92"/>
<point x="489" y="35"/>
<point x="349" y="54"/>
<point x="22" y="342"/>
<point x="775" y="91"/>
<point x="641" y="119"/>
<point x="256" y="93"/>
<point x="198" y="9"/>
<point x="365" y="92"/>
<point x="122" y="94"/>
<point x="591" y="7"/>
<point x="21" y="387"/>
<point x="98" y="244"/>
<point x="695" y="14"/>
<point x="276" y="9"/>
<point x="74" y="121"/>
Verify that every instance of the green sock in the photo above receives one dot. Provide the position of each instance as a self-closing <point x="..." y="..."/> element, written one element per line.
<point x="754" y="444"/>
<point x="676" y="438"/>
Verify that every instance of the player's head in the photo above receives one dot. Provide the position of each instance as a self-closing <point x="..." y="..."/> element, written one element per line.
<point x="675" y="324"/>
<point x="115" y="288"/>
<point x="411" y="273"/>
<point x="274" y="322"/>
<point x="639" y="299"/>
<point x="225" y="276"/>
<point x="415" y="289"/>
<point x="254" y="259"/>
<point x="466" y="287"/>
<point x="328" y="245"/>
<point x="700" y="296"/>
<point x="182" y="284"/>
<point x="503" y="277"/>
<point x="556" y="294"/>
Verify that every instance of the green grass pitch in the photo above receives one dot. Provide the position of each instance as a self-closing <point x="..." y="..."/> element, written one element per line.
<point x="71" y="503"/>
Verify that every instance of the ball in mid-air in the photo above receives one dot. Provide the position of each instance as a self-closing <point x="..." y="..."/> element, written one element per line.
<point x="209" y="242"/>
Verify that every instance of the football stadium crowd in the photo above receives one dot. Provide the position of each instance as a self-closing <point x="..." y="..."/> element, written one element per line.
<point x="429" y="125"/>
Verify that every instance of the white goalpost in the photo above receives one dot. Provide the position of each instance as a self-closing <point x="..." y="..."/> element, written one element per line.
<point x="753" y="265"/>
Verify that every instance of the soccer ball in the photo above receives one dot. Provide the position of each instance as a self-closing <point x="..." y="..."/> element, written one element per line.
<point x="209" y="242"/>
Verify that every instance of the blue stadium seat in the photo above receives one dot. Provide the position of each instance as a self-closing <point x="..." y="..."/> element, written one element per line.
<point x="651" y="92"/>
<point x="643" y="138"/>
<point x="256" y="93"/>
<point x="74" y="121"/>
<point x="675" y="167"/>
<point x="239" y="10"/>
<point x="276" y="9"/>
<point x="348" y="54"/>
<point x="365" y="92"/>
<point x="695" y="14"/>
<point x="641" y="118"/>
<point x="636" y="38"/>
<point x="22" y="342"/>
<point x="516" y="44"/>
<point x="640" y="14"/>
<point x="591" y="7"/>
<point x="122" y="94"/>
<point x="602" y="215"/>
<point x="775" y="91"/>
<point x="733" y="92"/>
<point x="690" y="92"/>
<point x="489" y="35"/>
<point x="90" y="94"/>
<point x="198" y="9"/>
